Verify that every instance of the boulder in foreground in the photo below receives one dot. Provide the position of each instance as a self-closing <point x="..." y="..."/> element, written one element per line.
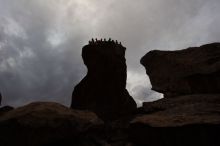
<point x="183" y="121"/>
<point x="45" y="123"/>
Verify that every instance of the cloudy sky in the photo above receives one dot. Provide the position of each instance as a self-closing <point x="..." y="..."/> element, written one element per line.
<point x="41" y="41"/>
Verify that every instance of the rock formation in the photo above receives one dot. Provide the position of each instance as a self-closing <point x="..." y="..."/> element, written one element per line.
<point x="185" y="120"/>
<point x="192" y="116"/>
<point x="52" y="124"/>
<point x="191" y="71"/>
<point x="48" y="124"/>
<point x="103" y="90"/>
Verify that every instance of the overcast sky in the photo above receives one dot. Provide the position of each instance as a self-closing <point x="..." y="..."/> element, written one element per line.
<point x="41" y="41"/>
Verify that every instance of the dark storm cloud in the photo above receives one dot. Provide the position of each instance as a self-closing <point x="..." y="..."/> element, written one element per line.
<point x="32" y="66"/>
<point x="41" y="41"/>
<point x="156" y="24"/>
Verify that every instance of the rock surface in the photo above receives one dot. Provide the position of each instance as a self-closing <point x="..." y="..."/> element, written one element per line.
<point x="191" y="71"/>
<point x="164" y="123"/>
<point x="5" y="109"/>
<point x="192" y="117"/>
<point x="103" y="90"/>
<point x="47" y="124"/>
<point x="185" y="120"/>
<point x="184" y="110"/>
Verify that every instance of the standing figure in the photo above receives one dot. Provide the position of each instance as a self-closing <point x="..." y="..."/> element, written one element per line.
<point x="93" y="41"/>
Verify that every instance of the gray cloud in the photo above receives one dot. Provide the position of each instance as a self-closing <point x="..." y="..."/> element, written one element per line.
<point x="41" y="41"/>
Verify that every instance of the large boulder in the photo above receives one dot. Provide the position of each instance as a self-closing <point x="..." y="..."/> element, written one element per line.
<point x="192" y="118"/>
<point x="186" y="120"/>
<point x="191" y="71"/>
<point x="103" y="90"/>
<point x="184" y="110"/>
<point x="48" y="124"/>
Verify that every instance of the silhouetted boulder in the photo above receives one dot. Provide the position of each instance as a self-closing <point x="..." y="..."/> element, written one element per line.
<point x="192" y="118"/>
<point x="48" y="124"/>
<point x="191" y="71"/>
<point x="103" y="90"/>
<point x="188" y="109"/>
<point x="184" y="121"/>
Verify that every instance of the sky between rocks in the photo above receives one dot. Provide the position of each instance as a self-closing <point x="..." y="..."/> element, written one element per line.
<point x="41" y="41"/>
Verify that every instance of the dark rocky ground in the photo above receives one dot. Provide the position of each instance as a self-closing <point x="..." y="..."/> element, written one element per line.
<point x="189" y="115"/>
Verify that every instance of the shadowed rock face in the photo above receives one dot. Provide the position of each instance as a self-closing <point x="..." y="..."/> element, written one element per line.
<point x="48" y="124"/>
<point x="191" y="71"/>
<point x="103" y="90"/>
<point x="192" y="118"/>
<point x="185" y="120"/>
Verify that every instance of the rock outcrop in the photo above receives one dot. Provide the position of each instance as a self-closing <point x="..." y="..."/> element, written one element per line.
<point x="194" y="70"/>
<point x="185" y="120"/>
<point x="48" y="124"/>
<point x="52" y="124"/>
<point x="192" y="116"/>
<point x="184" y="110"/>
<point x="103" y="90"/>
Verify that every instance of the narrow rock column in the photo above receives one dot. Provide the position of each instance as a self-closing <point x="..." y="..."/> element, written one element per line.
<point x="103" y="90"/>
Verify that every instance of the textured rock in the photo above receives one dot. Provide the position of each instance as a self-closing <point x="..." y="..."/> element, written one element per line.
<point x="5" y="109"/>
<point x="103" y="90"/>
<point x="47" y="124"/>
<point x="192" y="118"/>
<point x="191" y="71"/>
<point x="184" y="110"/>
<point x="188" y="135"/>
<point x="186" y="120"/>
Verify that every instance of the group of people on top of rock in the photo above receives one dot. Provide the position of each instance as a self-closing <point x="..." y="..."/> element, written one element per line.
<point x="96" y="41"/>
